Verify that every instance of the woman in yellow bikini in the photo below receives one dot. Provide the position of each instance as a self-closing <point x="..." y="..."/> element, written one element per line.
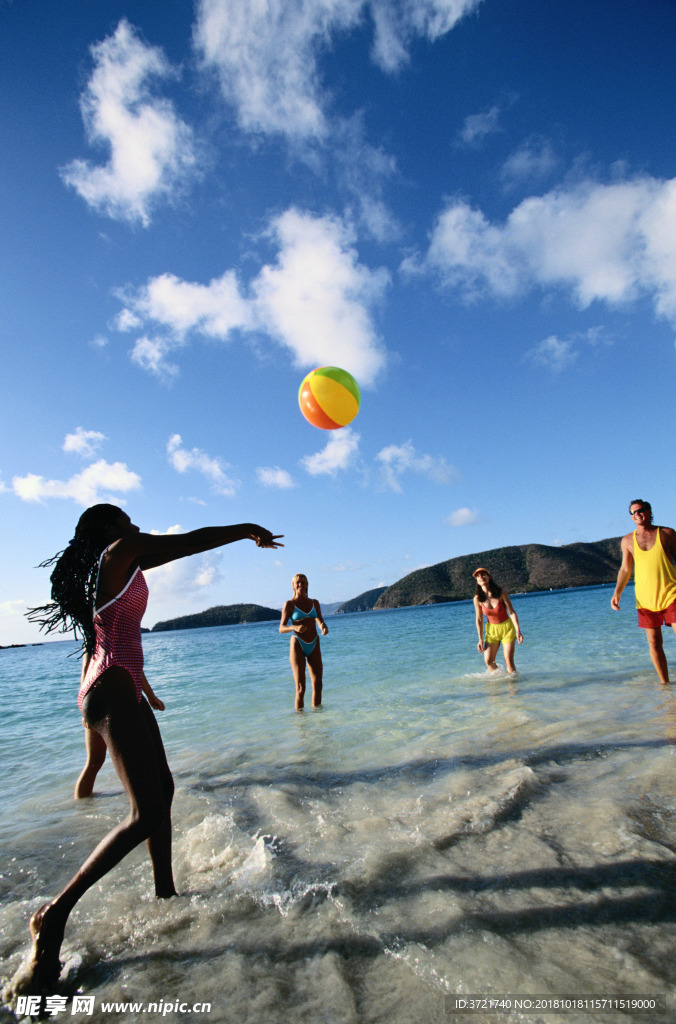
<point x="299" y="617"/>
<point x="502" y="623"/>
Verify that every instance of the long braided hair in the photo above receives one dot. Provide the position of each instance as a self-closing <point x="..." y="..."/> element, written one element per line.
<point x="73" y="578"/>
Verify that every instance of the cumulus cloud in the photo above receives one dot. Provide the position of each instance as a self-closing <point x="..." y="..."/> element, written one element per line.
<point x="337" y="454"/>
<point x="84" y="442"/>
<point x="151" y="148"/>
<point x="397" y="22"/>
<point x="397" y="459"/>
<point x="265" y="55"/>
<point x="532" y="161"/>
<point x="316" y="301"/>
<point x="477" y="126"/>
<point x="463" y="517"/>
<point x="214" y="469"/>
<point x="273" y="476"/>
<point x="94" y="484"/>
<point x="12" y="609"/>
<point x="557" y="354"/>
<point x="151" y="355"/>
<point x="554" y="353"/>
<point x="611" y="243"/>
<point x="215" y="309"/>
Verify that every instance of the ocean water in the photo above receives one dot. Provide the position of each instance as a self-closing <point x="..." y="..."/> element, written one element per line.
<point x="429" y="833"/>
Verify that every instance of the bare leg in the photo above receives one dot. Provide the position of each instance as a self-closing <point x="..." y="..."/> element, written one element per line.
<point x="297" y="659"/>
<point x="95" y="748"/>
<point x="490" y="654"/>
<point x="508" y="651"/>
<point x="132" y="742"/>
<point x="657" y="655"/>
<point x="316" y="675"/>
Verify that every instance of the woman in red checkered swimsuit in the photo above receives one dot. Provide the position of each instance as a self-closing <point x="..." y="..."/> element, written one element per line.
<point x="99" y="591"/>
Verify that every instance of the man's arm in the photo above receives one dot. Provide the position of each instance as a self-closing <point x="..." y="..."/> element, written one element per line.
<point x="668" y="538"/>
<point x="624" y="575"/>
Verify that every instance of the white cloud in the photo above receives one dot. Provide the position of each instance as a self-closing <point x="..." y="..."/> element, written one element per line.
<point x="84" y="442"/>
<point x="128" y="321"/>
<point x="556" y="354"/>
<point x="151" y="355"/>
<point x="212" y="468"/>
<point x="398" y="21"/>
<point x="12" y="608"/>
<point x="214" y="309"/>
<point x="316" y="301"/>
<point x="273" y="476"/>
<point x="477" y="126"/>
<point x="362" y="171"/>
<point x="92" y="485"/>
<point x="265" y="55"/>
<point x="151" y="149"/>
<point x="397" y="459"/>
<point x="463" y="517"/>
<point x="337" y="454"/>
<point x="532" y="161"/>
<point x="611" y="243"/>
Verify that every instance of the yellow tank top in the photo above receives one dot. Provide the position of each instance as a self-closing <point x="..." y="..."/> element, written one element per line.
<point x="654" y="576"/>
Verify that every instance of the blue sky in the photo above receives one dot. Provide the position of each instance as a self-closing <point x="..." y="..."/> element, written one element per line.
<point x="468" y="204"/>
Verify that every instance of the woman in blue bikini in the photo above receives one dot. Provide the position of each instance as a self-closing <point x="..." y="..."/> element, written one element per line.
<point x="299" y="617"/>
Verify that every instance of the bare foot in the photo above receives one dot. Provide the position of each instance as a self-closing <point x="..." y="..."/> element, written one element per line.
<point x="44" y="968"/>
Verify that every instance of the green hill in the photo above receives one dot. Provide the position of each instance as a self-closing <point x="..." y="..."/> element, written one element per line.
<point x="363" y="603"/>
<point x="519" y="569"/>
<point x="220" y="615"/>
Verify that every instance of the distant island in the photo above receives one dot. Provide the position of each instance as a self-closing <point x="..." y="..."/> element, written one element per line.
<point x="520" y="569"/>
<point x="220" y="615"/>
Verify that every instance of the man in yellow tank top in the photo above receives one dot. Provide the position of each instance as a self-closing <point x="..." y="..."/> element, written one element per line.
<point x="651" y="552"/>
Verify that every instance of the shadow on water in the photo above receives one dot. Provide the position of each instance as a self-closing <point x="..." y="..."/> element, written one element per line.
<point x="419" y="770"/>
<point x="656" y="906"/>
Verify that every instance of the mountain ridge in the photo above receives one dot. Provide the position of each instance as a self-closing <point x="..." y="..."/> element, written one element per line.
<point x="518" y="568"/>
<point x="523" y="568"/>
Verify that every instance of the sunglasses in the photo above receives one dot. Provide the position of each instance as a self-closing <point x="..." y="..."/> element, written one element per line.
<point x="481" y="576"/>
<point x="637" y="510"/>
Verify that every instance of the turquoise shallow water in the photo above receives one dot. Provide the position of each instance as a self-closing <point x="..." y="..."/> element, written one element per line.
<point x="430" y="831"/>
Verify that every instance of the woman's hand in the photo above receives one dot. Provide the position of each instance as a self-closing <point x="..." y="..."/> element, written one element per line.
<point x="480" y="646"/>
<point x="265" y="539"/>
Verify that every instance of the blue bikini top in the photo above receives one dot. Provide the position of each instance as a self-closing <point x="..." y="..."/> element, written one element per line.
<point x="298" y="614"/>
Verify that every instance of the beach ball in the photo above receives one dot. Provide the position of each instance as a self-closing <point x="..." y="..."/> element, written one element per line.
<point x="329" y="398"/>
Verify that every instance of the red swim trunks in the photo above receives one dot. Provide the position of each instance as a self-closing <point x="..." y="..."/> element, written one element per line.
<point x="653" y="620"/>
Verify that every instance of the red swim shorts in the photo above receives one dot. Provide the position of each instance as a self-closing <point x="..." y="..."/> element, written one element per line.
<point x="653" y="620"/>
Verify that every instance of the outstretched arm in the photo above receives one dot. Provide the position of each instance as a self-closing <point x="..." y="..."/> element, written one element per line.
<point x="149" y="550"/>
<point x="153" y="550"/>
